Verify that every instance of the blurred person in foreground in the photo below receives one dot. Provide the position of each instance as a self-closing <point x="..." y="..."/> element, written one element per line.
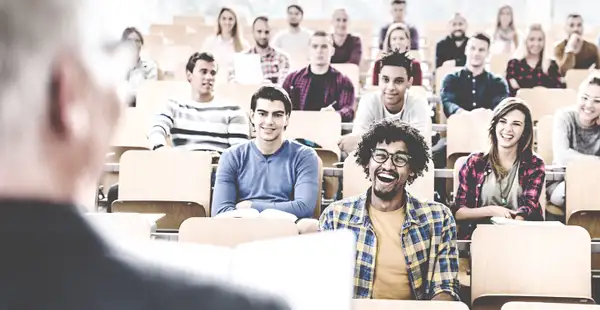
<point x="60" y="72"/>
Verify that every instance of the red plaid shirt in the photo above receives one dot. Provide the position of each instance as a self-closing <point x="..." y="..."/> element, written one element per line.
<point x="532" y="174"/>
<point x="338" y="89"/>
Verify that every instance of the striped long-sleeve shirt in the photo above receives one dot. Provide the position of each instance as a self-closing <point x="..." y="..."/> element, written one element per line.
<point x="214" y="125"/>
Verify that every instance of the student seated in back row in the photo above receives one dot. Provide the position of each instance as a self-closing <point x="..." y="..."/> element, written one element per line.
<point x="320" y="87"/>
<point x="406" y="248"/>
<point x="268" y="172"/>
<point x="507" y="181"/>
<point x="202" y="123"/>
<point x="576" y="133"/>
<point x="393" y="101"/>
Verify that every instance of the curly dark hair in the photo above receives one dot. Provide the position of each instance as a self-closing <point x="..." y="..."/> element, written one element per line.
<point x="389" y="131"/>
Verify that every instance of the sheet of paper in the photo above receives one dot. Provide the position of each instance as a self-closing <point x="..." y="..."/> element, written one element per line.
<point x="248" y="69"/>
<point x="496" y="220"/>
<point x="312" y="272"/>
<point x="197" y="260"/>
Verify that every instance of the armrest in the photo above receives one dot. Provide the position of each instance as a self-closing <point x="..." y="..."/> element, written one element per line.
<point x="338" y="165"/>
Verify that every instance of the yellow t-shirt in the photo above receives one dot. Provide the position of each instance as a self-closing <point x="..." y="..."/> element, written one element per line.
<point x="391" y="277"/>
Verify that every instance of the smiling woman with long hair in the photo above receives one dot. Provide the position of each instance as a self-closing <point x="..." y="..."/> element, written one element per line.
<point x="228" y="39"/>
<point x="397" y="39"/>
<point x="531" y="65"/>
<point x="507" y="180"/>
<point x="505" y="37"/>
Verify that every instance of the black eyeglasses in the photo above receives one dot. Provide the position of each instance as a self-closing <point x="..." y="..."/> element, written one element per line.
<point x="398" y="159"/>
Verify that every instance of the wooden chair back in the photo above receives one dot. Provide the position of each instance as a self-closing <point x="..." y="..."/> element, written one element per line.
<point x="546" y="101"/>
<point x="174" y="182"/>
<point x="533" y="266"/>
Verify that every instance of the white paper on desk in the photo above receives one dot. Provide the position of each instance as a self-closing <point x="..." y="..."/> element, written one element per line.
<point x="496" y="220"/>
<point x="311" y="272"/>
<point x="248" y="69"/>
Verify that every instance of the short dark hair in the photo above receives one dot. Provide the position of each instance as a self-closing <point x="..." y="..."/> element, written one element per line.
<point x="574" y="15"/>
<point x="130" y="30"/>
<point x="483" y="37"/>
<point x="297" y="7"/>
<point x="263" y="18"/>
<point x="398" y="2"/>
<point x="397" y="59"/>
<point x="272" y="93"/>
<point x="393" y="130"/>
<point x="191" y="64"/>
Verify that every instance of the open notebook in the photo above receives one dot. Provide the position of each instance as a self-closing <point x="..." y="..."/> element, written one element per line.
<point x="253" y="213"/>
<point x="312" y="272"/>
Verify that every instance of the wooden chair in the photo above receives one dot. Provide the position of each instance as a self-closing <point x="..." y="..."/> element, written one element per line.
<point x="498" y="63"/>
<point x="352" y="71"/>
<point x="130" y="226"/>
<point x="575" y="77"/>
<point x="548" y="263"/>
<point x="167" y="30"/>
<point x="546" y="306"/>
<point x="467" y="132"/>
<point x="384" y="304"/>
<point x="544" y="138"/>
<point x="238" y="94"/>
<point x="131" y="133"/>
<point x="152" y="96"/>
<point x="233" y="231"/>
<point x="191" y="21"/>
<point x="583" y="208"/>
<point x="176" y="183"/>
<point x="171" y="59"/>
<point x="325" y="129"/>
<point x="546" y="101"/>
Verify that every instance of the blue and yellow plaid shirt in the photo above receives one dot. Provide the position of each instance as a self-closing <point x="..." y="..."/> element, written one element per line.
<point x="428" y="240"/>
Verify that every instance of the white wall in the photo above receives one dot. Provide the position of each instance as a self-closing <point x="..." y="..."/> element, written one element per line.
<point x="419" y="12"/>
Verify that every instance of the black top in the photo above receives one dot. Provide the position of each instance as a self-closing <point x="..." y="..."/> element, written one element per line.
<point x="315" y="99"/>
<point x="446" y="49"/>
<point x="52" y="259"/>
<point x="462" y="90"/>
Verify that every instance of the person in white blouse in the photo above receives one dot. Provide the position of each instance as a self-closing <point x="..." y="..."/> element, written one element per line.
<point x="143" y="69"/>
<point x="505" y="37"/>
<point x="228" y="40"/>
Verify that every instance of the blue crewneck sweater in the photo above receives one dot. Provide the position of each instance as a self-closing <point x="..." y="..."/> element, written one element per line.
<point x="287" y="180"/>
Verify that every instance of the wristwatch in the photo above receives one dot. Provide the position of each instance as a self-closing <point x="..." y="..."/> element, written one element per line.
<point x="158" y="146"/>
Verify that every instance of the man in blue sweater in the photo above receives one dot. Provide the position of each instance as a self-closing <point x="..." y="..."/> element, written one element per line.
<point x="268" y="172"/>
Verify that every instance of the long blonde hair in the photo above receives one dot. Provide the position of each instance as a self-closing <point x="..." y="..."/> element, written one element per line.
<point x="396" y="26"/>
<point x="235" y="33"/>
<point x="522" y="51"/>
<point x="511" y="25"/>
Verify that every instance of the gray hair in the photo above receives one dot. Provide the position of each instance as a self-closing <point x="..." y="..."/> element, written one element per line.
<point x="33" y="35"/>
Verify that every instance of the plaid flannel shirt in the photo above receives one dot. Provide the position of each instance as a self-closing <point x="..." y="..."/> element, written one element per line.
<point x="275" y="64"/>
<point x="338" y="89"/>
<point x="428" y="241"/>
<point x="532" y="174"/>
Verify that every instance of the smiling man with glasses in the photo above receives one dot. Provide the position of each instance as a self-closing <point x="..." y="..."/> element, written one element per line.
<point x="406" y="248"/>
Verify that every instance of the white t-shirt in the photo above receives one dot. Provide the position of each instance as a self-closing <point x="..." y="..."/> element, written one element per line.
<point x="416" y="112"/>
<point x="292" y="42"/>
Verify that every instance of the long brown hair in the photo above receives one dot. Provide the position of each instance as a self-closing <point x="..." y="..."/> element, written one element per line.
<point x="525" y="145"/>
<point x="511" y="25"/>
<point x="235" y="33"/>
<point x="396" y="26"/>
